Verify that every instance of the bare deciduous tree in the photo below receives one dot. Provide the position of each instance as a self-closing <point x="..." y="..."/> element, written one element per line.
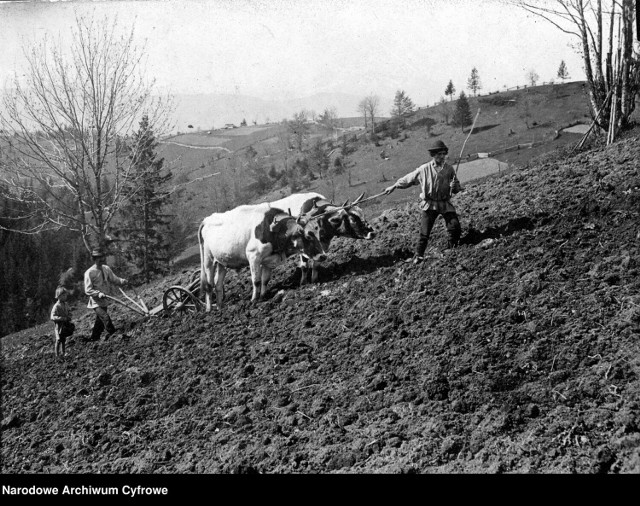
<point x="284" y="140"/>
<point x="328" y="119"/>
<point x="362" y="109"/>
<point x="299" y="128"/>
<point x="611" y="67"/>
<point x="69" y="126"/>
<point x="532" y="77"/>
<point x="527" y="105"/>
<point x="372" y="103"/>
<point x="473" y="83"/>
<point x="444" y="110"/>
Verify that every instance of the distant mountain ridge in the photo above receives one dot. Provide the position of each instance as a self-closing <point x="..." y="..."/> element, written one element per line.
<point x="207" y="111"/>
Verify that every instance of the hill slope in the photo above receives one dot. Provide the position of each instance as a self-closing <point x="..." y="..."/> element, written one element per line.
<point x="517" y="352"/>
<point x="500" y="126"/>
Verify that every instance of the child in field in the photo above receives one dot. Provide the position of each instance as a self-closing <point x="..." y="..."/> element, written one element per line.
<point x="61" y="317"/>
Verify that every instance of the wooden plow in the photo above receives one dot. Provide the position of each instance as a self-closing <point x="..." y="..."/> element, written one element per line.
<point x="175" y="300"/>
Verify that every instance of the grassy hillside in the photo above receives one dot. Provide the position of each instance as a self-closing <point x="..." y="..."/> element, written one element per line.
<point x="507" y="119"/>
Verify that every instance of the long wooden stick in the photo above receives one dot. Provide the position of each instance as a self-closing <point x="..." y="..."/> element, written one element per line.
<point x="612" y="120"/>
<point x="125" y="305"/>
<point x="131" y="300"/>
<point x="367" y="199"/>
<point x="465" y="141"/>
<point x="144" y="306"/>
<point x="593" y="123"/>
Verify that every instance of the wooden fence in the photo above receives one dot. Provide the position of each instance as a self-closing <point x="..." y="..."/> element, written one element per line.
<point x="515" y="147"/>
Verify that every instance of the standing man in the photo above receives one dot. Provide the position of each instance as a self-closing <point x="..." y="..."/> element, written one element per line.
<point x="98" y="282"/>
<point x="438" y="181"/>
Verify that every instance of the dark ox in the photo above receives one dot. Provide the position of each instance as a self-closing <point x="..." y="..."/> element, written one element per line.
<point x="348" y="222"/>
<point x="259" y="236"/>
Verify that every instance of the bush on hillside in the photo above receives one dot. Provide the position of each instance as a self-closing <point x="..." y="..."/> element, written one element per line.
<point x="425" y="122"/>
<point x="382" y="128"/>
<point x="394" y="129"/>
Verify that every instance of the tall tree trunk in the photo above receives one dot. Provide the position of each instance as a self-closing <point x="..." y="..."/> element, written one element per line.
<point x="145" y="261"/>
<point x="627" y="96"/>
<point x="595" y="88"/>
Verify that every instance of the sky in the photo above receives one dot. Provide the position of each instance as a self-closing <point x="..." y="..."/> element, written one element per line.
<point x="283" y="49"/>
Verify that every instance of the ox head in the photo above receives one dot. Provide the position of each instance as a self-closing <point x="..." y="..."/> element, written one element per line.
<point x="350" y="221"/>
<point x="325" y="233"/>
<point x="306" y="238"/>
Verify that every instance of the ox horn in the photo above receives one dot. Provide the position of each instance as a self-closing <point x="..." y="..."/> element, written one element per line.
<point x="346" y="203"/>
<point x="359" y="199"/>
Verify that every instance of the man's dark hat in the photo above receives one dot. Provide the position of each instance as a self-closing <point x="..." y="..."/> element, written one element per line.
<point x="437" y="147"/>
<point x="96" y="253"/>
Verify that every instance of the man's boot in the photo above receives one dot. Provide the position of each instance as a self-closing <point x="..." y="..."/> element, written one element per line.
<point x="453" y="243"/>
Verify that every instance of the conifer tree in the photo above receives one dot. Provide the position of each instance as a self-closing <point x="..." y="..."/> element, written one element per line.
<point x="146" y="228"/>
<point x="563" y="73"/>
<point x="462" y="115"/>
<point x="408" y="105"/>
<point x="402" y="107"/>
<point x="450" y="90"/>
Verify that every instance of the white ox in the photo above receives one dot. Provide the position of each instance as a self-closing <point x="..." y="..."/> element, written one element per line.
<point x="348" y="222"/>
<point x="259" y="236"/>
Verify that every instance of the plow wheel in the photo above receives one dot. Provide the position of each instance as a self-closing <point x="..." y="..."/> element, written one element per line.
<point x="180" y="300"/>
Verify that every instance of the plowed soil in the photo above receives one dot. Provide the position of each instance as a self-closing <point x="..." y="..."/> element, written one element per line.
<point x="517" y="352"/>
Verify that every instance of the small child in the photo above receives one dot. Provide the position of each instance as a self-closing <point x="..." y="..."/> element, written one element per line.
<point x="61" y="317"/>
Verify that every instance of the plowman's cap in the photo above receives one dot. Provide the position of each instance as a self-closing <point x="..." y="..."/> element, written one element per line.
<point x="437" y="147"/>
<point x="96" y="253"/>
